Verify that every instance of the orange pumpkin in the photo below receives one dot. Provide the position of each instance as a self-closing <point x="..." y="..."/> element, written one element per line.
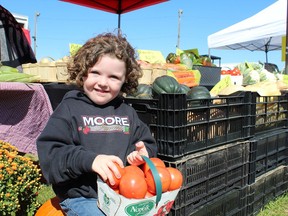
<point x="50" y="208"/>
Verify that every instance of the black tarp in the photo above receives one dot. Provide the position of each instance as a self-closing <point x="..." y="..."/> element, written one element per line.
<point x="15" y="49"/>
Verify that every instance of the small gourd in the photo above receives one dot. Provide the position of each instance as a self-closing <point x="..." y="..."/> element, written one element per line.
<point x="50" y="208"/>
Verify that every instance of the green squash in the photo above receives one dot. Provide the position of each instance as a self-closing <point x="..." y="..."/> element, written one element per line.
<point x="165" y="84"/>
<point x="142" y="89"/>
<point x="198" y="93"/>
<point x="184" y="88"/>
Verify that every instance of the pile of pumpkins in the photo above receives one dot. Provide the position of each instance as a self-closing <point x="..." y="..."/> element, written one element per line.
<point x="168" y="85"/>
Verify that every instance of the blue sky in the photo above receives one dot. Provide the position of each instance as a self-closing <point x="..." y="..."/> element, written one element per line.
<point x="151" y="28"/>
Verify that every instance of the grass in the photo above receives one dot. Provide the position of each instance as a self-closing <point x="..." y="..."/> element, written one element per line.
<point x="277" y="207"/>
<point x="45" y="194"/>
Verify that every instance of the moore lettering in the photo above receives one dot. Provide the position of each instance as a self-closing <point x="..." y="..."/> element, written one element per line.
<point x="109" y="120"/>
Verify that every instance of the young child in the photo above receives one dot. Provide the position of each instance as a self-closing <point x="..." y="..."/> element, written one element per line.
<point x="93" y="128"/>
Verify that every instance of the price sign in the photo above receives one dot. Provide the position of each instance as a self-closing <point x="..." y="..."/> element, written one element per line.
<point x="151" y="56"/>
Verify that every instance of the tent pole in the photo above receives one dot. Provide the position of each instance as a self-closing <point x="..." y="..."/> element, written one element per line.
<point x="119" y="15"/>
<point x="119" y="21"/>
<point x="266" y="48"/>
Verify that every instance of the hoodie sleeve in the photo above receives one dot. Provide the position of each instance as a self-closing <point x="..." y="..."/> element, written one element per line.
<point x="60" y="158"/>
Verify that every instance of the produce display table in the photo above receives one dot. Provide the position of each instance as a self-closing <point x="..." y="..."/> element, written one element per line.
<point x="25" y="109"/>
<point x="24" y="112"/>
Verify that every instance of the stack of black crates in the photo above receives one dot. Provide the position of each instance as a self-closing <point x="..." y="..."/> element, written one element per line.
<point x="232" y="150"/>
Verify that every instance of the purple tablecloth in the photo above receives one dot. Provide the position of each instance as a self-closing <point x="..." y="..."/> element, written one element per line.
<point x="24" y="112"/>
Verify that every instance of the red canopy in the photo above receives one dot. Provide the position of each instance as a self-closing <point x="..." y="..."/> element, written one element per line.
<point x="116" y="6"/>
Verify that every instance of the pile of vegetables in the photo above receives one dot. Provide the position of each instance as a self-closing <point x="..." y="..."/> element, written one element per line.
<point x="255" y="78"/>
<point x="233" y="72"/>
<point x="182" y="73"/>
<point x="254" y="73"/>
<point x="189" y="59"/>
<point x="10" y="74"/>
<point x="168" y="85"/>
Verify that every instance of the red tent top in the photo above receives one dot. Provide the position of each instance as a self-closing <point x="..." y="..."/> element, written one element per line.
<point x="116" y="6"/>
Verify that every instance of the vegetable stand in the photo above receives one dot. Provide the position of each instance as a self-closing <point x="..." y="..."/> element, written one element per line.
<point x="217" y="143"/>
<point x="24" y="110"/>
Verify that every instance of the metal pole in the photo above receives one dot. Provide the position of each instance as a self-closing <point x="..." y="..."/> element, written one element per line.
<point x="180" y="12"/>
<point x="37" y="14"/>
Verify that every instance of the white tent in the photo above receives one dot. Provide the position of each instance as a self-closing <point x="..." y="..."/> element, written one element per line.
<point x="263" y="31"/>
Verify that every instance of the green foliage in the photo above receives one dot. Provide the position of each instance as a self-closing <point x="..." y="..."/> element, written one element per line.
<point x="10" y="74"/>
<point x="74" y="48"/>
<point x="19" y="182"/>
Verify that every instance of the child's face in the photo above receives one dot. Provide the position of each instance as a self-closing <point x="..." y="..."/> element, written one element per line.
<point x="105" y="79"/>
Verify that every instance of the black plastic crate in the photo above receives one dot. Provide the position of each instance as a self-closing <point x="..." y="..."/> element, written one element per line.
<point x="266" y="188"/>
<point x="210" y="173"/>
<point x="228" y="204"/>
<point x="210" y="76"/>
<point x="56" y="92"/>
<point x="268" y="113"/>
<point x="267" y="151"/>
<point x="180" y="127"/>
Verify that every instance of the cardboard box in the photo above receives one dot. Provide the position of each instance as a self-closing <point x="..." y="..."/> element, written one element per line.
<point x="157" y="72"/>
<point x="114" y="204"/>
<point x="147" y="76"/>
<point x="61" y="71"/>
<point x="47" y="71"/>
<point x="30" y="68"/>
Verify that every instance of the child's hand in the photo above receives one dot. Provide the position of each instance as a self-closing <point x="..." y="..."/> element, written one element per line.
<point x="104" y="166"/>
<point x="134" y="158"/>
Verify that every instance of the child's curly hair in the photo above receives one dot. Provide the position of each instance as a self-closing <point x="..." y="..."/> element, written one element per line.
<point x="105" y="44"/>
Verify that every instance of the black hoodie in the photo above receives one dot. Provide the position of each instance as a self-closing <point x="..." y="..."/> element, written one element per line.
<point x="78" y="131"/>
